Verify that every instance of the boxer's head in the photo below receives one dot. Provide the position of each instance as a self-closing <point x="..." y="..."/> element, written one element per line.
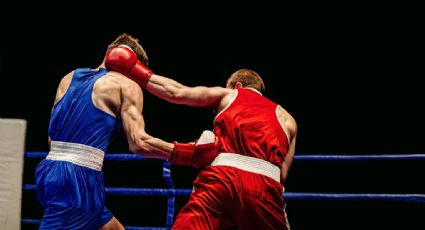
<point x="132" y="43"/>
<point x="246" y="78"/>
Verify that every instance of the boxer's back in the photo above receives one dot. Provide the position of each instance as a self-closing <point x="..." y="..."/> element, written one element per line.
<point x="84" y="114"/>
<point x="249" y="126"/>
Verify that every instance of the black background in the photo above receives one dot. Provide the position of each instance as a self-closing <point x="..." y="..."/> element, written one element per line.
<point x="349" y="74"/>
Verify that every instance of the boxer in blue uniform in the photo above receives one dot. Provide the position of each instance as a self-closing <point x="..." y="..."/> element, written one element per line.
<point x="90" y="106"/>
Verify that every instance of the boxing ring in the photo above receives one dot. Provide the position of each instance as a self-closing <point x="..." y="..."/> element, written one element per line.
<point x="171" y="192"/>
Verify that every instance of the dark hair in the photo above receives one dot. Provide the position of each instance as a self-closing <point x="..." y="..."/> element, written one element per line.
<point x="133" y="43"/>
<point x="248" y="78"/>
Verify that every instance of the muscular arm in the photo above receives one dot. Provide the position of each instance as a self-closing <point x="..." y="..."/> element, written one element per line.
<point x="290" y="124"/>
<point x="174" y="92"/>
<point x="122" y="59"/>
<point x="288" y="159"/>
<point x="134" y="126"/>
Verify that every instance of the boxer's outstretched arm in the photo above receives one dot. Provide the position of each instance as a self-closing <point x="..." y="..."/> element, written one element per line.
<point x="134" y="126"/>
<point x="122" y="59"/>
<point x="175" y="92"/>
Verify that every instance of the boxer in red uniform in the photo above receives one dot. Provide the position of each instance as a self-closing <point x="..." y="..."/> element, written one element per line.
<point x="243" y="186"/>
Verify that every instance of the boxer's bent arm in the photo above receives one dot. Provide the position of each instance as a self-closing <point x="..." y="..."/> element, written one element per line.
<point x="291" y="126"/>
<point x="286" y="165"/>
<point x="134" y="126"/>
<point x="174" y="92"/>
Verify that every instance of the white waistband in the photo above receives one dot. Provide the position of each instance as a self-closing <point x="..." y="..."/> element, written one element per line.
<point x="78" y="154"/>
<point x="250" y="164"/>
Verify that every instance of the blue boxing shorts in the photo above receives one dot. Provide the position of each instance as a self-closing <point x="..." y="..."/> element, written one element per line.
<point x="70" y="187"/>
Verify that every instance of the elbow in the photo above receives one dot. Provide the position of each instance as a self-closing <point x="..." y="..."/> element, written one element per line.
<point x="283" y="173"/>
<point x="170" y="95"/>
<point x="283" y="177"/>
<point x="173" y="96"/>
<point x="143" y="148"/>
<point x="137" y="143"/>
<point x="135" y="149"/>
<point x="176" y="95"/>
<point x="140" y="149"/>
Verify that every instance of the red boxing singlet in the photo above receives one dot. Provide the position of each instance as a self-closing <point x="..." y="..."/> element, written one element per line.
<point x="249" y="126"/>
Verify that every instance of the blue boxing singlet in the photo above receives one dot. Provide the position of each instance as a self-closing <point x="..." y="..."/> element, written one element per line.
<point x="76" y="119"/>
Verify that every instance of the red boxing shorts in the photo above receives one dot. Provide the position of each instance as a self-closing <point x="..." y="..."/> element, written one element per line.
<point x="226" y="196"/>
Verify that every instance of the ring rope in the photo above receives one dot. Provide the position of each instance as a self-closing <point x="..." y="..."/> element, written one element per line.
<point x="289" y="196"/>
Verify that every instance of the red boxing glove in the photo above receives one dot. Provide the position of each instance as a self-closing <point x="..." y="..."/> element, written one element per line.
<point x="198" y="154"/>
<point x="122" y="59"/>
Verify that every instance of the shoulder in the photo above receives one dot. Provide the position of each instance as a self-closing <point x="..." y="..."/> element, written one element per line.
<point x="65" y="81"/>
<point x="287" y="118"/>
<point x="227" y="96"/>
<point x="67" y="77"/>
<point x="126" y="85"/>
<point x="63" y="86"/>
<point x="287" y="115"/>
<point x="120" y="79"/>
<point x="223" y="91"/>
